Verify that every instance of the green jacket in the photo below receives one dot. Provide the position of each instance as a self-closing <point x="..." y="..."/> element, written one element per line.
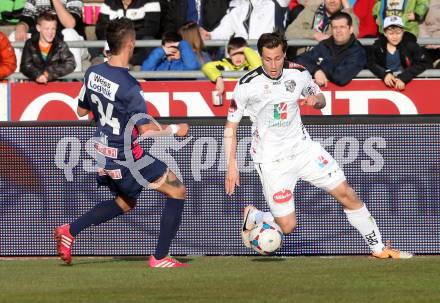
<point x="10" y="6"/>
<point x="418" y="7"/>
<point x="213" y="69"/>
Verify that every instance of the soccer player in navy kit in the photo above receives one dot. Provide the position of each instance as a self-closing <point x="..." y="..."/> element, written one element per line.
<point x="119" y="109"/>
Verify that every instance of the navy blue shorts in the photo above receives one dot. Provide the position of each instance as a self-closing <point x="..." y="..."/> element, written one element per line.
<point x="120" y="180"/>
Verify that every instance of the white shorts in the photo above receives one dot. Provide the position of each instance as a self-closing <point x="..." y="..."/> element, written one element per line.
<point x="279" y="178"/>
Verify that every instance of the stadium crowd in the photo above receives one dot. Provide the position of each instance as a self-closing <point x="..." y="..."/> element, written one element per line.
<point x="184" y="25"/>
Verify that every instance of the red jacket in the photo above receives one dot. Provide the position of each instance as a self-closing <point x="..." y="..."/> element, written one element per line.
<point x="8" y="63"/>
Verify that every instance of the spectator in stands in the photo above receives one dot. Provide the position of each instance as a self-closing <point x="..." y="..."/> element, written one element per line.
<point x="70" y="24"/>
<point x="250" y="19"/>
<point x="293" y="9"/>
<point x="145" y="15"/>
<point x="206" y="13"/>
<point x="412" y="13"/>
<point x="240" y="57"/>
<point x="7" y="57"/>
<point x="431" y="29"/>
<point x="190" y="32"/>
<point x="314" y="21"/>
<point x="10" y="11"/>
<point x="395" y="57"/>
<point x="45" y="56"/>
<point x="175" y="54"/>
<point x="339" y="58"/>
<point x="363" y="9"/>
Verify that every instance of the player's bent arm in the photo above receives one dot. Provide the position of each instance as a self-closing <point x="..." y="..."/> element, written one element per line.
<point x="319" y="101"/>
<point x="82" y="111"/>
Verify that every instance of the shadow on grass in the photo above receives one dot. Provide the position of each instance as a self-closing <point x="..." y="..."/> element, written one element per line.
<point x="268" y="259"/>
<point x="102" y="260"/>
<point x="87" y="261"/>
<point x="145" y="258"/>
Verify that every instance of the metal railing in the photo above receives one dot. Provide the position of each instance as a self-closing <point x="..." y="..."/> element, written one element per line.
<point x="189" y="75"/>
<point x="219" y="43"/>
<point x="431" y="73"/>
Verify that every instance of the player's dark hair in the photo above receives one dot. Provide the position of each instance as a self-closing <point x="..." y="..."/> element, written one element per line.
<point x="271" y="40"/>
<point x="171" y="37"/>
<point x="118" y="30"/>
<point x="342" y="15"/>
<point x="46" y="16"/>
<point x="236" y="42"/>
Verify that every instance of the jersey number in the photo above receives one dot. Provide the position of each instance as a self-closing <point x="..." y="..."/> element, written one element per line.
<point x="106" y="118"/>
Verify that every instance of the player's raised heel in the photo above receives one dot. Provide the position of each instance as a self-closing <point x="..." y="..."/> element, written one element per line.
<point x="247" y="225"/>
<point x="389" y="252"/>
<point x="165" y="262"/>
<point x="64" y="242"/>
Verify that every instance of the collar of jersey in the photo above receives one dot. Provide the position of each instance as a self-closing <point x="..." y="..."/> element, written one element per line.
<point x="274" y="79"/>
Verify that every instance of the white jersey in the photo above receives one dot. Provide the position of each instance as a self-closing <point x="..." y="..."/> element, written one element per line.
<point x="272" y="104"/>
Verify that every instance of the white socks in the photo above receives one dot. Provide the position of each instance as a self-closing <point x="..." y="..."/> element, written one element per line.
<point x="362" y="220"/>
<point x="258" y="216"/>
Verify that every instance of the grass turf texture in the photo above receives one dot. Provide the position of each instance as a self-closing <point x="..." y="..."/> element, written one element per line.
<point x="223" y="279"/>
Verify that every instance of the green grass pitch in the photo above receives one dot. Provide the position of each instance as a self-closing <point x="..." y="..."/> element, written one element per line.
<point x="353" y="279"/>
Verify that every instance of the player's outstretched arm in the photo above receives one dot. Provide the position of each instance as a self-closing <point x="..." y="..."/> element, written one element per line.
<point x="162" y="130"/>
<point x="230" y="142"/>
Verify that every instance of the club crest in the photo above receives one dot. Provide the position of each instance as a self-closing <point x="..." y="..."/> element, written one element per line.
<point x="290" y="85"/>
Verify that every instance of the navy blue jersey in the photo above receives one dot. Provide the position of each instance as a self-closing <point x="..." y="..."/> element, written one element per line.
<point x="113" y="96"/>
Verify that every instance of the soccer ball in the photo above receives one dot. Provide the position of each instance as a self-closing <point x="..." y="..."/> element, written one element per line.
<point x="266" y="238"/>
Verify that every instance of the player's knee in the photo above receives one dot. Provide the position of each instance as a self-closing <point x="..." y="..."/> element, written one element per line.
<point x="350" y="195"/>
<point x="125" y="203"/>
<point x="344" y="192"/>
<point x="178" y="192"/>
<point x="288" y="227"/>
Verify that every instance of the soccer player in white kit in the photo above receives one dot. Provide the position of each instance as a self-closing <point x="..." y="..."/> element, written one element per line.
<point x="282" y="149"/>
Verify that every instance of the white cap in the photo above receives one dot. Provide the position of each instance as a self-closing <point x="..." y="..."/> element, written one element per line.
<point x="393" y="21"/>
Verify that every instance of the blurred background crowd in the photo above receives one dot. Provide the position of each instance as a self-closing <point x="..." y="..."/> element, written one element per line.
<point x="183" y="26"/>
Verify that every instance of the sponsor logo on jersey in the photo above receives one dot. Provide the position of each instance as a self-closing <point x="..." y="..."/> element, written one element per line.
<point x="321" y="161"/>
<point x="278" y="123"/>
<point x="295" y="65"/>
<point x="276" y="82"/>
<point x="280" y="111"/>
<point x="115" y="174"/>
<point x="103" y="86"/>
<point x="290" y="85"/>
<point x="282" y="196"/>
<point x="106" y="151"/>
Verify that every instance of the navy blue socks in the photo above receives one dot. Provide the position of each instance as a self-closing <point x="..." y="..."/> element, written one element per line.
<point x="169" y="225"/>
<point x="100" y="213"/>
